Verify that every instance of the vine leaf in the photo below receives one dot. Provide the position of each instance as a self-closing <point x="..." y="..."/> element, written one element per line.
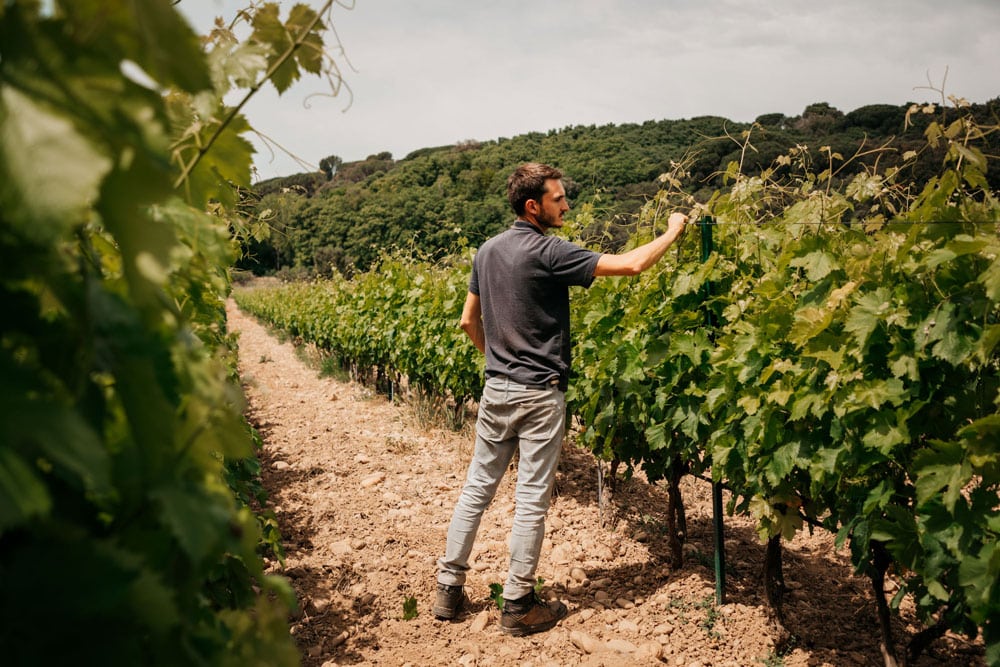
<point x="818" y="264"/>
<point x="942" y="468"/>
<point x="22" y="493"/>
<point x="39" y="148"/>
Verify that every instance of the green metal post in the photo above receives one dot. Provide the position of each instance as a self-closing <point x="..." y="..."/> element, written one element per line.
<point x="705" y="224"/>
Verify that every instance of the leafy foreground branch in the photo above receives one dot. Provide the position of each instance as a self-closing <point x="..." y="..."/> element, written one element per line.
<point x="126" y="468"/>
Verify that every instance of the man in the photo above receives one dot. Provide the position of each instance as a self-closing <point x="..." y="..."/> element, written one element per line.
<point x="517" y="313"/>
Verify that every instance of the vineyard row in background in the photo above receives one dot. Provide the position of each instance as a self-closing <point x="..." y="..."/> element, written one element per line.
<point x="834" y="363"/>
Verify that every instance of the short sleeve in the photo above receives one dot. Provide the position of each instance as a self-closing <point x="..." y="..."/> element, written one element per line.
<point x="474" y="277"/>
<point x="571" y="264"/>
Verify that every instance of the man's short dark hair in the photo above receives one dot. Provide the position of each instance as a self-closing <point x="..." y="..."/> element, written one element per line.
<point x="528" y="182"/>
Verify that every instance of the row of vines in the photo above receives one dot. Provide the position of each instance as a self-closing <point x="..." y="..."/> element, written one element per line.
<point x="131" y="531"/>
<point x="833" y="362"/>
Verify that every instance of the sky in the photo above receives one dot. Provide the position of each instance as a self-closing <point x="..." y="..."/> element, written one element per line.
<point x="438" y="72"/>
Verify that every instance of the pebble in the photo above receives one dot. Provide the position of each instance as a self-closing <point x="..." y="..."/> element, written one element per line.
<point x="372" y="480"/>
<point x="560" y="554"/>
<point x="341" y="548"/>
<point x="622" y="646"/>
<point x="585" y="642"/>
<point x="481" y="621"/>
<point x="281" y="465"/>
<point x="579" y="574"/>
<point x="629" y="627"/>
<point x="649" y="651"/>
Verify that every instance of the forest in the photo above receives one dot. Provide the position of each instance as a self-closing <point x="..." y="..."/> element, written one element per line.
<point x="436" y="199"/>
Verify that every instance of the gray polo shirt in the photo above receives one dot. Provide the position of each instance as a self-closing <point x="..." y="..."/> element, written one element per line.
<point x="522" y="277"/>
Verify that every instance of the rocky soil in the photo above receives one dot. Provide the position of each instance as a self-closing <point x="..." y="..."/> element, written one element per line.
<point x="363" y="489"/>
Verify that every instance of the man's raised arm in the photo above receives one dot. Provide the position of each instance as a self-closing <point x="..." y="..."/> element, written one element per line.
<point x="639" y="259"/>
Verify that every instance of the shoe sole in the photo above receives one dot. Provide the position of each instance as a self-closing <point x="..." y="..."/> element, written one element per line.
<point x="532" y="629"/>
<point x="522" y="632"/>
<point x="444" y="614"/>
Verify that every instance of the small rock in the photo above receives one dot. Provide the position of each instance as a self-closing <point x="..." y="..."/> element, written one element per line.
<point x="622" y="646"/>
<point x="578" y="574"/>
<point x="341" y="548"/>
<point x="627" y="626"/>
<point x="317" y="606"/>
<point x="560" y="554"/>
<point x="585" y="642"/>
<point x="372" y="480"/>
<point x="480" y="622"/>
<point x="649" y="651"/>
<point x="624" y="603"/>
<point x="604" y="553"/>
<point x="280" y="465"/>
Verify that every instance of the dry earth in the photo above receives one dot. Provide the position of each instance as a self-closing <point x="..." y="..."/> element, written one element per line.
<point x="363" y="491"/>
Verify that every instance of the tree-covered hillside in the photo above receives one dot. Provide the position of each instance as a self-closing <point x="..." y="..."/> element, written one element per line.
<point x="436" y="199"/>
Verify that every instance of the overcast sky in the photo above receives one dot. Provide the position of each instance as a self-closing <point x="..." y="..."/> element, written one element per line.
<point x="436" y="72"/>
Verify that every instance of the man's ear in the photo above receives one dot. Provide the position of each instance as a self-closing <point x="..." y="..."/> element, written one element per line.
<point x="532" y="206"/>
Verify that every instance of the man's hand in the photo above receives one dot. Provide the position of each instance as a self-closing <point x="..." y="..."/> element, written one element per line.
<point x="676" y="222"/>
<point x="639" y="259"/>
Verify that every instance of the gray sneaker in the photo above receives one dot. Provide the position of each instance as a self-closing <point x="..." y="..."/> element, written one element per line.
<point x="449" y="601"/>
<point x="527" y="616"/>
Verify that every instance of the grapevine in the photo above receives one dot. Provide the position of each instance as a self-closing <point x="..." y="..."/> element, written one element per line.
<point x="849" y="381"/>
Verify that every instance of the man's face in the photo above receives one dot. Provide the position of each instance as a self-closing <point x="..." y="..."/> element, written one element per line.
<point x="553" y="205"/>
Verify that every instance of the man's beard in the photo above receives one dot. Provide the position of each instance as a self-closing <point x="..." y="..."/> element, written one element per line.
<point x="547" y="221"/>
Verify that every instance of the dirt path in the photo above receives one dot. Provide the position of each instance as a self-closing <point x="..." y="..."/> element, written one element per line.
<point x="364" y="494"/>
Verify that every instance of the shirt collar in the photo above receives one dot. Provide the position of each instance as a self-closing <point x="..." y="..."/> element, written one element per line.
<point x="524" y="224"/>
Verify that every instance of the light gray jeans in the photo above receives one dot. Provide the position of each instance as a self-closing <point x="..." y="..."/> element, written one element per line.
<point x="512" y="416"/>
